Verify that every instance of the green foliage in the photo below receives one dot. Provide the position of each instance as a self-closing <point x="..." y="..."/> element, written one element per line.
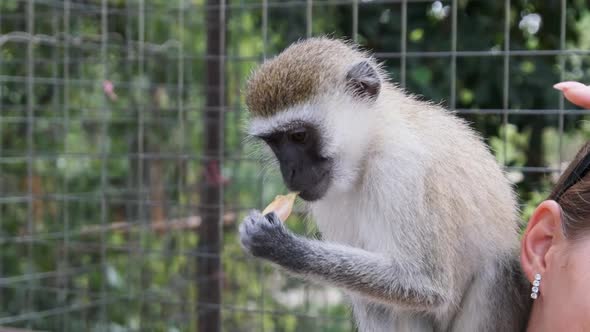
<point x="510" y="146"/>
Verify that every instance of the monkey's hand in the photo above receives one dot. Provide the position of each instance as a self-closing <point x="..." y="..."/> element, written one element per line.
<point x="265" y="236"/>
<point x="378" y="276"/>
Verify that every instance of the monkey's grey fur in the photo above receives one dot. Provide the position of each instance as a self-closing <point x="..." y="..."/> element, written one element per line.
<point x="420" y="225"/>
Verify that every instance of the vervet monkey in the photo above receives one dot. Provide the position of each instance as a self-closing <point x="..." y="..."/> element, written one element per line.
<point x="419" y="224"/>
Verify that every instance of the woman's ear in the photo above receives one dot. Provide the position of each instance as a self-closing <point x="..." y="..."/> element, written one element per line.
<point x="543" y="229"/>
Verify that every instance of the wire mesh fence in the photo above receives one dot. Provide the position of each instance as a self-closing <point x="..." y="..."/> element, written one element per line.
<point x="123" y="169"/>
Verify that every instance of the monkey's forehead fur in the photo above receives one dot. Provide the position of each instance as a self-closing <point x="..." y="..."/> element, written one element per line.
<point x="303" y="70"/>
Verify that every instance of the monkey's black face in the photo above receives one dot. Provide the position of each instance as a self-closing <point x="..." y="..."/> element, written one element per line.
<point x="297" y="149"/>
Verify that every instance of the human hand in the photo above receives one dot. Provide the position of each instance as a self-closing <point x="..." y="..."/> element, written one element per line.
<point x="575" y="92"/>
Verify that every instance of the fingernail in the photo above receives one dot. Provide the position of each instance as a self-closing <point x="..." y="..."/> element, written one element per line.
<point x="576" y="93"/>
<point x="563" y="86"/>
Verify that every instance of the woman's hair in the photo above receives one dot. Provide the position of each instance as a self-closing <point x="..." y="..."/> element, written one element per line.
<point x="572" y="192"/>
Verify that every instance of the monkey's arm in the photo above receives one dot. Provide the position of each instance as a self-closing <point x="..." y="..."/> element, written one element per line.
<point x="376" y="276"/>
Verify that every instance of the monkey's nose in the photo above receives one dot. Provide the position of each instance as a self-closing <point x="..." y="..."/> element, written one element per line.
<point x="293" y="178"/>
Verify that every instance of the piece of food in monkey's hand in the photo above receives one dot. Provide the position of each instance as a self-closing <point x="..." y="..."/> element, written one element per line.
<point x="282" y="205"/>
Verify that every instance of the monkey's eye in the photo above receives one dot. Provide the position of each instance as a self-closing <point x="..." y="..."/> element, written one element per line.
<point x="298" y="136"/>
<point x="269" y="139"/>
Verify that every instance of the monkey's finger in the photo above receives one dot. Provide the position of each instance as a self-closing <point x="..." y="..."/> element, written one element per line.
<point x="245" y="240"/>
<point x="246" y="244"/>
<point x="243" y="229"/>
<point x="272" y="217"/>
<point x="575" y="92"/>
<point x="246" y="226"/>
<point x="255" y="215"/>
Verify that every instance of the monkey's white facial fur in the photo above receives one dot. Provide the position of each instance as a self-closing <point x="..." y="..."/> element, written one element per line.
<point x="348" y="124"/>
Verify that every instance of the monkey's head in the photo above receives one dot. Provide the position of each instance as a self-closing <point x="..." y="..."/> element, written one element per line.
<point x="311" y="105"/>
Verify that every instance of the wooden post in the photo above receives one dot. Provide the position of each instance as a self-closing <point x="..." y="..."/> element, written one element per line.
<point x="209" y="262"/>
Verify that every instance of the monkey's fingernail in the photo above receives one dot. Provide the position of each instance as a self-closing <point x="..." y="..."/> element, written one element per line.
<point x="564" y="86"/>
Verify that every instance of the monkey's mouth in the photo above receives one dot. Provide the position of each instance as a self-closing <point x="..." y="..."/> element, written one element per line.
<point x="317" y="191"/>
<point x="309" y="195"/>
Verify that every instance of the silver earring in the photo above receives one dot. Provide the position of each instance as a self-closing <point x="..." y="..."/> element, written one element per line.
<point x="536" y="284"/>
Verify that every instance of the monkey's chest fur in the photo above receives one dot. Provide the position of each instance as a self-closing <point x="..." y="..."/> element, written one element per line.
<point x="345" y="219"/>
<point x="402" y="226"/>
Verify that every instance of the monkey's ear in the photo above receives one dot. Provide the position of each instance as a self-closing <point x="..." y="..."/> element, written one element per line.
<point x="363" y="80"/>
